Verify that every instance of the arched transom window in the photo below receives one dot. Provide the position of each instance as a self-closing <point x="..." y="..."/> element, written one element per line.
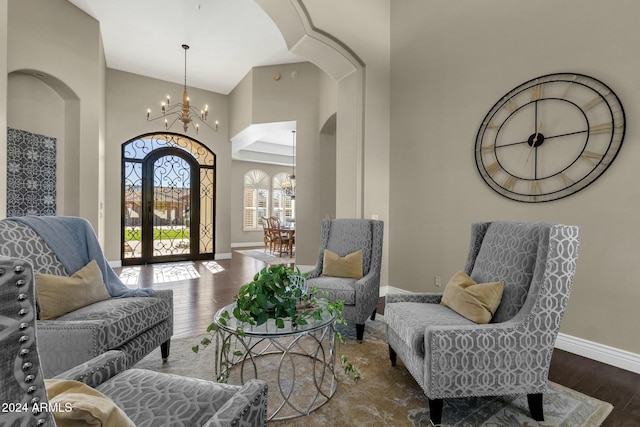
<point x="256" y="198"/>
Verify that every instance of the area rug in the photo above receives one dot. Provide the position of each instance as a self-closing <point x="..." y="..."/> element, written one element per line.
<point x="389" y="396"/>
<point x="266" y="257"/>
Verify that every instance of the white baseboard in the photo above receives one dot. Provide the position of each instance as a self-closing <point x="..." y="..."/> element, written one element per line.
<point x="602" y="353"/>
<point x="223" y="256"/>
<point x="246" y="244"/>
<point x="305" y="268"/>
<point x="384" y="290"/>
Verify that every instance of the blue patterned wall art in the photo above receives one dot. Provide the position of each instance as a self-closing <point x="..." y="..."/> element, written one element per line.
<point x="31" y="173"/>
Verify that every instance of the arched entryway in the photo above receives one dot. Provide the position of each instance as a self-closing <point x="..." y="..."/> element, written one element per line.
<point x="168" y="199"/>
<point x="339" y="61"/>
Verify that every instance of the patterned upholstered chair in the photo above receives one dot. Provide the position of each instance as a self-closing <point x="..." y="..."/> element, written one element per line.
<point x="136" y="326"/>
<point x="147" y="398"/>
<point x="360" y="296"/>
<point x="452" y="357"/>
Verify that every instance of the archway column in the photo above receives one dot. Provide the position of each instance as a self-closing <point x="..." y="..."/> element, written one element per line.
<point x="344" y="66"/>
<point x="346" y="34"/>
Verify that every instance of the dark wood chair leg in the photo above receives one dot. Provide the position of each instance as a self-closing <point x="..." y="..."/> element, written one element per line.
<point x="393" y="356"/>
<point x="373" y="315"/>
<point x="164" y="349"/>
<point x="535" y="406"/>
<point x="435" y="411"/>
<point x="359" y="331"/>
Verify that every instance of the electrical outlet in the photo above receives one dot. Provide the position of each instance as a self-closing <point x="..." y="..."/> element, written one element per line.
<point x="437" y="281"/>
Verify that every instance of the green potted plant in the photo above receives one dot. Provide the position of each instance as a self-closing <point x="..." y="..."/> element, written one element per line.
<point x="279" y="292"/>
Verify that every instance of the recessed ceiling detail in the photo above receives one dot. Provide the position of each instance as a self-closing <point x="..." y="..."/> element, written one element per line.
<point x="265" y="143"/>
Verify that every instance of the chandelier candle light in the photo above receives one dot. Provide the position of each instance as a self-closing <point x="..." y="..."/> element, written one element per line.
<point x="184" y="112"/>
<point x="289" y="186"/>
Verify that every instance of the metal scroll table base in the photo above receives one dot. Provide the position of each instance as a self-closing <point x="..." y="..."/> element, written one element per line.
<point x="299" y="368"/>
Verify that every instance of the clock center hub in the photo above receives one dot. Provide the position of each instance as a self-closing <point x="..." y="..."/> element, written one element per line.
<point x="535" y="140"/>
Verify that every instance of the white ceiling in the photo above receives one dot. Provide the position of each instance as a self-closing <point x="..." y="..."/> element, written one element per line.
<point x="226" y="37"/>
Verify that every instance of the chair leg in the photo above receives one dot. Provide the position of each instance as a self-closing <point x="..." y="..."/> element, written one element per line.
<point x="435" y="411"/>
<point x="373" y="315"/>
<point x="535" y="406"/>
<point x="393" y="356"/>
<point x="359" y="331"/>
<point x="164" y="349"/>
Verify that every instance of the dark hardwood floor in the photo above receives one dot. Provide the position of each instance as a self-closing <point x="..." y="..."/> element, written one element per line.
<point x="201" y="288"/>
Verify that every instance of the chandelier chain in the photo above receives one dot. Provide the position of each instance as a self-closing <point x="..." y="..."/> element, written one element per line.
<point x="185" y="47"/>
<point x="289" y="186"/>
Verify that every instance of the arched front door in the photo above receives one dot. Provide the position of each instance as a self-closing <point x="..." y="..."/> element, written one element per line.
<point x="168" y="199"/>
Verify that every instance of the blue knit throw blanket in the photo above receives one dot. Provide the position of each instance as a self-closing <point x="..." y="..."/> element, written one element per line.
<point x="75" y="243"/>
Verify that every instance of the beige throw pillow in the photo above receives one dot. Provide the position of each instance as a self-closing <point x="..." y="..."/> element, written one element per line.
<point x="475" y="301"/>
<point x="347" y="266"/>
<point x="78" y="405"/>
<point x="58" y="295"/>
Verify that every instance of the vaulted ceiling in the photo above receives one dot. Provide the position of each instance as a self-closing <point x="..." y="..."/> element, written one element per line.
<point x="226" y="37"/>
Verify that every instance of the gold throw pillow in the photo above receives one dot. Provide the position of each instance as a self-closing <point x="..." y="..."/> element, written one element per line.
<point x="475" y="301"/>
<point x="78" y="405"/>
<point x="58" y="295"/>
<point x="347" y="266"/>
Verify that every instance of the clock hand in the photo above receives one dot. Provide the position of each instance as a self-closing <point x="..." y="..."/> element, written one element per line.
<point x="531" y="150"/>
<point x="566" y="134"/>
<point x="532" y="144"/>
<point x="535" y="137"/>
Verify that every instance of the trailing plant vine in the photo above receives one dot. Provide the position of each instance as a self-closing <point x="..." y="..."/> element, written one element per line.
<point x="279" y="292"/>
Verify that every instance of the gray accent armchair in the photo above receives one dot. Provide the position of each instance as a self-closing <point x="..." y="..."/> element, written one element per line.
<point x="344" y="236"/>
<point x="452" y="357"/>
<point x="148" y="398"/>
<point x="135" y="326"/>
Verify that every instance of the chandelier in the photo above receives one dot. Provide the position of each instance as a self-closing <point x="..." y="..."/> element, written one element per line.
<point x="183" y="112"/>
<point x="289" y="186"/>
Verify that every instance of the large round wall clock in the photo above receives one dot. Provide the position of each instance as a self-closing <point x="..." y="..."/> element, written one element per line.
<point x="550" y="137"/>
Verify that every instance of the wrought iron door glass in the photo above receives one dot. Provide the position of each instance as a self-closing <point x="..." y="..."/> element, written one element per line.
<point x="160" y="175"/>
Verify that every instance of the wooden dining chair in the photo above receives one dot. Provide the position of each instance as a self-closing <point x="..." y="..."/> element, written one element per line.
<point x="289" y="235"/>
<point x="268" y="243"/>
<point x="280" y="240"/>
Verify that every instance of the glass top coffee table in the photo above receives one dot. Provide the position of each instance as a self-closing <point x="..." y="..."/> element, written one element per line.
<point x="297" y="362"/>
